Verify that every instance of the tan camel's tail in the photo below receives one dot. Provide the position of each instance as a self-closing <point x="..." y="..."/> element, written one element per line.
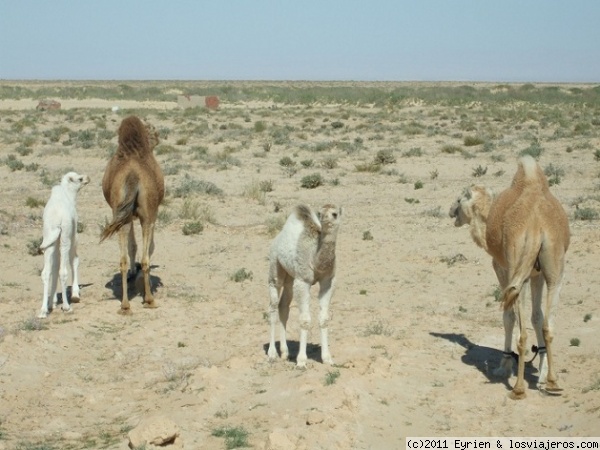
<point x="526" y="259"/>
<point x="125" y="212"/>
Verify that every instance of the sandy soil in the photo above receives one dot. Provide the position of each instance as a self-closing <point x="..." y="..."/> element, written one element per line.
<point x="415" y="328"/>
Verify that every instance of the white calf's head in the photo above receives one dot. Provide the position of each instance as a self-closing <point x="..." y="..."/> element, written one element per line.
<point x="72" y="181"/>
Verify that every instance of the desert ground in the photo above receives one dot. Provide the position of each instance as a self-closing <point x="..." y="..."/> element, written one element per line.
<point x="416" y="326"/>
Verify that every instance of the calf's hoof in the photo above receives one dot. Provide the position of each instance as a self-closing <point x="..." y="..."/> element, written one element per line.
<point x="125" y="312"/>
<point x="75" y="299"/>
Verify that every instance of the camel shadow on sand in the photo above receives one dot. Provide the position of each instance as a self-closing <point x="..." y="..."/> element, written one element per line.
<point x="486" y="359"/>
<point x="135" y="283"/>
<point x="313" y="351"/>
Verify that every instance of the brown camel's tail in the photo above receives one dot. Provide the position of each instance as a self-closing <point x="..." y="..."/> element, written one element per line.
<point x="125" y="211"/>
<point x="527" y="255"/>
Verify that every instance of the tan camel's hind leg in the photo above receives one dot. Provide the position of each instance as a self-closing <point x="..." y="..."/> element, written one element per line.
<point x="147" y="237"/>
<point x="518" y="391"/>
<point x="124" y="266"/>
<point x="505" y="369"/>
<point x="553" y="294"/>
<point x="537" y="320"/>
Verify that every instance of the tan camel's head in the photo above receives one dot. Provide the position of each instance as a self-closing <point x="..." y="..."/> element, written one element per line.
<point x="473" y="200"/>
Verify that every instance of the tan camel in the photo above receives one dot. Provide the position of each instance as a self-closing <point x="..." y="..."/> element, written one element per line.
<point x="302" y="254"/>
<point x="133" y="186"/>
<point x="526" y="231"/>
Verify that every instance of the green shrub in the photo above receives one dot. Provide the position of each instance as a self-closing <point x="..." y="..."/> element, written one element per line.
<point x="384" y="157"/>
<point x="241" y="275"/>
<point x="471" y="141"/>
<point x="534" y="150"/>
<point x="479" y="171"/>
<point x="586" y="214"/>
<point x="194" y="227"/>
<point x="312" y="181"/>
<point x="554" y="174"/>
<point x="286" y="161"/>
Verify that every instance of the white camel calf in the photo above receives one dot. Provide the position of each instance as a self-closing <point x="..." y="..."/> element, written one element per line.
<point x="60" y="229"/>
<point x="302" y="254"/>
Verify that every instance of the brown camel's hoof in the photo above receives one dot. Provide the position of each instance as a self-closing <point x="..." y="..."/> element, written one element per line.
<point x="151" y="304"/>
<point x="517" y="395"/>
<point x="75" y="300"/>
<point x="125" y="312"/>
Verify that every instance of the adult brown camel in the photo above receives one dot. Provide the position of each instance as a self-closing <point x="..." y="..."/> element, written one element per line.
<point x="133" y="185"/>
<point x="526" y="231"/>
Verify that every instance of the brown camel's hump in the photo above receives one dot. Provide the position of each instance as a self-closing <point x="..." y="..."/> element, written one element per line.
<point x="133" y="138"/>
<point x="529" y="175"/>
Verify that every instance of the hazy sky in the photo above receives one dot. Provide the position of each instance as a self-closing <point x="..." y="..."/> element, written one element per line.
<point x="474" y="40"/>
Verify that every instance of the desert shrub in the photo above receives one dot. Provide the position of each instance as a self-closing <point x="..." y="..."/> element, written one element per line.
<point x="418" y="185"/>
<point x="471" y="141"/>
<point x="260" y="126"/>
<point x="286" y="161"/>
<point x="311" y="181"/>
<point x="236" y="437"/>
<point x="554" y="174"/>
<point x="479" y="171"/>
<point x="191" y="185"/>
<point x="241" y="275"/>
<point x="194" y="227"/>
<point x="586" y="214"/>
<point x="368" y="167"/>
<point x="329" y="162"/>
<point x="415" y="151"/>
<point x="535" y="150"/>
<point x="34" y="202"/>
<point x="384" y="157"/>
<point x="331" y="377"/>
<point x="337" y="124"/>
<point x="13" y="163"/>
<point x="23" y="150"/>
<point x="451" y="149"/>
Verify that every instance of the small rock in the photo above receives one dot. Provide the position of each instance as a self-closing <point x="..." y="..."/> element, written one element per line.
<point x="279" y="440"/>
<point x="155" y="430"/>
<point x="314" y="417"/>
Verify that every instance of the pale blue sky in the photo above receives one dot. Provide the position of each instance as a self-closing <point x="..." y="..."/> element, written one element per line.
<point x="398" y="40"/>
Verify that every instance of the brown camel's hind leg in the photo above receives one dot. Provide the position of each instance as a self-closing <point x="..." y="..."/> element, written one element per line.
<point x="124" y="266"/>
<point x="148" y="238"/>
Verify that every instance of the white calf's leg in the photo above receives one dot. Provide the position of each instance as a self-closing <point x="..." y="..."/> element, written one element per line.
<point x="75" y="298"/>
<point x="302" y="293"/>
<point x="49" y="273"/>
<point x="65" y="257"/>
<point x="273" y="317"/>
<point x="287" y="294"/>
<point x="326" y="288"/>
